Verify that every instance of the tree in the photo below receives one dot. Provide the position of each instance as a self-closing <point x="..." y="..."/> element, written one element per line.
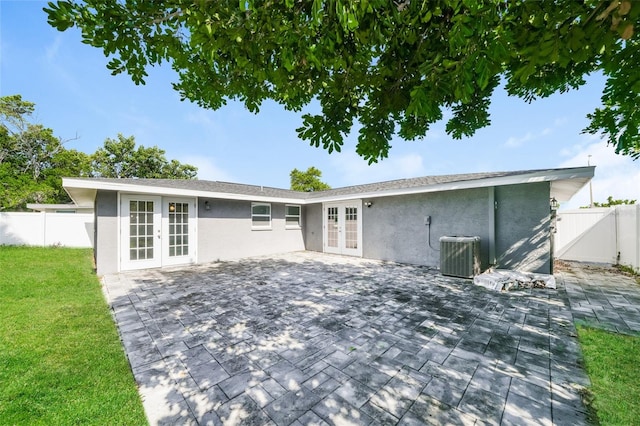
<point x="392" y="66"/>
<point x="33" y="161"/>
<point x="307" y="181"/>
<point x="611" y="202"/>
<point x="119" y="158"/>
<point x="27" y="152"/>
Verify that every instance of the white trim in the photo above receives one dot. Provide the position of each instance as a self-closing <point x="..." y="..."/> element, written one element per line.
<point x="156" y="235"/>
<point x="163" y="190"/>
<point x="299" y="215"/>
<point x="564" y="184"/>
<point x="258" y="227"/>
<point x="568" y="176"/>
<point x="341" y="248"/>
<point x="119" y="229"/>
<point x="193" y="242"/>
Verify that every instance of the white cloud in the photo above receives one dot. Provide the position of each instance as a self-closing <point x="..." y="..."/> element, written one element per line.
<point x="517" y="141"/>
<point x="207" y="168"/>
<point x="560" y="121"/>
<point x="514" y="142"/>
<point x="201" y="117"/>
<point x="615" y="175"/>
<point x="51" y="51"/>
<point x="354" y="170"/>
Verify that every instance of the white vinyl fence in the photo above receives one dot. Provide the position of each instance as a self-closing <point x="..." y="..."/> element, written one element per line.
<point x="602" y="235"/>
<point x="46" y="229"/>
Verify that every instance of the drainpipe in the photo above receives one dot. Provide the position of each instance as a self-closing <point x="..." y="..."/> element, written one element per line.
<point x="493" y="206"/>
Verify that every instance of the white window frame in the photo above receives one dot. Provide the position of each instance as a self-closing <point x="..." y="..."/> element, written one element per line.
<point x="267" y="226"/>
<point x="287" y="216"/>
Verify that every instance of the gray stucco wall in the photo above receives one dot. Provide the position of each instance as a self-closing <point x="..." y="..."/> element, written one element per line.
<point x="394" y="227"/>
<point x="522" y="227"/>
<point x="224" y="231"/>
<point x="313" y="227"/>
<point x="106" y="223"/>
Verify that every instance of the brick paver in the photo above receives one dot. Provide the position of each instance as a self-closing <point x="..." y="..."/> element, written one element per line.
<point x="308" y="338"/>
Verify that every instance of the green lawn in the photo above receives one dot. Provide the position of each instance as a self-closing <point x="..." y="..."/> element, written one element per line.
<point x="613" y="364"/>
<point x="61" y="361"/>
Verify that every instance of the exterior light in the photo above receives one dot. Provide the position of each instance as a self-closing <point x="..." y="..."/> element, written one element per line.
<point x="553" y="203"/>
<point x="207" y="206"/>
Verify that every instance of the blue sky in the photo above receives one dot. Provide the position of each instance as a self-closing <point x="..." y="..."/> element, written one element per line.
<point x="76" y="96"/>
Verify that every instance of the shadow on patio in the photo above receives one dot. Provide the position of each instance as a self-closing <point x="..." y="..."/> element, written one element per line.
<point x="313" y="338"/>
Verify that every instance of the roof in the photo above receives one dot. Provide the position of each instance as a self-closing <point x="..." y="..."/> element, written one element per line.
<point x="565" y="183"/>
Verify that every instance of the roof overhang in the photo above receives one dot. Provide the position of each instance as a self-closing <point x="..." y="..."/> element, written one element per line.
<point x="42" y="207"/>
<point x="564" y="184"/>
<point x="83" y="192"/>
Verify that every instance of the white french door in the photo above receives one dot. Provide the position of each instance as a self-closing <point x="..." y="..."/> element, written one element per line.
<point x="342" y="224"/>
<point x="156" y="231"/>
<point x="140" y="232"/>
<point x="178" y="223"/>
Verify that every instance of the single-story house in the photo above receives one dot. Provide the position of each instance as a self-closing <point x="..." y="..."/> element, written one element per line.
<point x="147" y="223"/>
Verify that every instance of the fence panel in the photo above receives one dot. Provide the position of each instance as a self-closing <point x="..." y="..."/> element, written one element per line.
<point x="45" y="229"/>
<point x="629" y="235"/>
<point x="602" y="235"/>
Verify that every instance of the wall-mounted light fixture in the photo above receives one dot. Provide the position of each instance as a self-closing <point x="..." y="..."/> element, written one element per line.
<point x="553" y="204"/>
<point x="368" y="203"/>
<point x="207" y="206"/>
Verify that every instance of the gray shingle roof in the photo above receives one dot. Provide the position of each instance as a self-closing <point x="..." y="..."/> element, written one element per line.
<point x="256" y="190"/>
<point x="413" y="183"/>
<point x="208" y="186"/>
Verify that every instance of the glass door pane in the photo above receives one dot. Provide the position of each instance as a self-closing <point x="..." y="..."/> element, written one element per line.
<point x="351" y="227"/>
<point x="178" y="229"/>
<point x="141" y="230"/>
<point x="332" y="227"/>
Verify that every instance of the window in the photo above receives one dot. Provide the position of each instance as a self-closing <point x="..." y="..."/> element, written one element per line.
<point x="292" y="216"/>
<point x="260" y="216"/>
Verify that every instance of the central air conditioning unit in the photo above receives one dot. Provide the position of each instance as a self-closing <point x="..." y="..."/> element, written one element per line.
<point x="460" y="256"/>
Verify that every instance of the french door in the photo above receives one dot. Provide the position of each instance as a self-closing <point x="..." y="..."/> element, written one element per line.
<point x="156" y="231"/>
<point x="178" y="215"/>
<point x="342" y="224"/>
<point x="141" y="219"/>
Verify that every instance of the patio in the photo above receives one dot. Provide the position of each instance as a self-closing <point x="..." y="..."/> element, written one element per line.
<point x="309" y="338"/>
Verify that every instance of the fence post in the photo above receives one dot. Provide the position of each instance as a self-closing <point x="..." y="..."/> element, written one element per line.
<point x="637" y="265"/>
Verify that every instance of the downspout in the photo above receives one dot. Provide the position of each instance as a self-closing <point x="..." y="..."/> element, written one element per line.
<point x="493" y="206"/>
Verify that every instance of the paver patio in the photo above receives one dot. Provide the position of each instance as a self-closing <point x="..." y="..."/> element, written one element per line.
<point x="308" y="338"/>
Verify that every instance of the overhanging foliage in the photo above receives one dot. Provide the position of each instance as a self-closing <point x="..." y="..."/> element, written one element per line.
<point x="391" y="66"/>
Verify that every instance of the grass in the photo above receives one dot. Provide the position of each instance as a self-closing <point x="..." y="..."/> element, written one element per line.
<point x="61" y="361"/>
<point x="612" y="362"/>
<point x="628" y="270"/>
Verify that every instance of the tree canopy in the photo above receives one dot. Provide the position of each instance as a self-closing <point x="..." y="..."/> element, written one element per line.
<point x="33" y="161"/>
<point x="612" y="202"/>
<point x="307" y="181"/>
<point x="391" y="66"/>
<point x="119" y="158"/>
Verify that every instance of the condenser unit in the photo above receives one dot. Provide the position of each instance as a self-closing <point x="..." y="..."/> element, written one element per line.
<point x="460" y="256"/>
